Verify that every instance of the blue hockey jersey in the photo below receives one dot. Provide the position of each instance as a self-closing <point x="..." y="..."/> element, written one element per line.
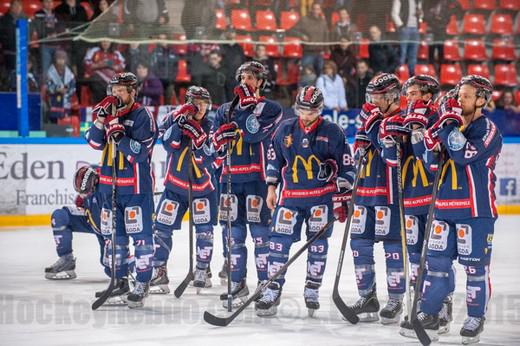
<point x="134" y="153"/>
<point x="294" y="159"/>
<point x="176" y="145"/>
<point x="467" y="178"/>
<point x="256" y="125"/>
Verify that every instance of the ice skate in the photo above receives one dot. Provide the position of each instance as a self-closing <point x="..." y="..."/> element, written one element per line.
<point x="119" y="293"/>
<point x="392" y="311"/>
<point x="445" y="315"/>
<point x="239" y="292"/>
<point x="367" y="307"/>
<point x="136" y="298"/>
<point x="471" y="330"/>
<point x="62" y="269"/>
<point x="267" y="305"/>
<point x="311" y="296"/>
<point x="160" y="281"/>
<point x="222" y="274"/>
<point x="429" y="322"/>
<point x="202" y="279"/>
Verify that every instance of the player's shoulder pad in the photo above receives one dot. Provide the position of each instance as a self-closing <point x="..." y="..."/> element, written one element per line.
<point x="285" y="126"/>
<point x="271" y="106"/>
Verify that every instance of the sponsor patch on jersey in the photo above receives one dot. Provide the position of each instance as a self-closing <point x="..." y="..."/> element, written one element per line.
<point x="252" y="124"/>
<point x="76" y="211"/>
<point x="167" y="212"/>
<point x="106" y="221"/>
<point x="318" y="219"/>
<point x="133" y="219"/>
<point x="359" y="219"/>
<point x="456" y="140"/>
<point x="228" y="206"/>
<point x="382" y="223"/>
<point x="135" y="146"/>
<point x="201" y="212"/>
<point x="438" y="236"/>
<point x="253" y="208"/>
<point x="464" y="239"/>
<point x="412" y="229"/>
<point x="285" y="221"/>
<point x="128" y="122"/>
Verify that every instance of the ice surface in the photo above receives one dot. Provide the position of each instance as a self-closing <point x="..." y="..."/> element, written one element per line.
<point x="35" y="311"/>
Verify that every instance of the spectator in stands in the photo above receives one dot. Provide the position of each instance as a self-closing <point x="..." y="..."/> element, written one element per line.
<point x="307" y="76"/>
<point x="135" y="53"/>
<point x="213" y="77"/>
<point x="33" y="84"/>
<point x="382" y="56"/>
<point x="233" y="56"/>
<point x="61" y="87"/>
<point x="507" y="102"/>
<point x="101" y="63"/>
<point x="198" y="56"/>
<point x="101" y="7"/>
<point x="45" y="25"/>
<point x="407" y="14"/>
<point x="149" y="86"/>
<point x="344" y="27"/>
<point x="198" y="13"/>
<point x="360" y="81"/>
<point x="344" y="57"/>
<point x="8" y="34"/>
<point x="437" y="16"/>
<point x="146" y="13"/>
<point x="262" y="57"/>
<point x="332" y="86"/>
<point x="313" y="28"/>
<point x="164" y="62"/>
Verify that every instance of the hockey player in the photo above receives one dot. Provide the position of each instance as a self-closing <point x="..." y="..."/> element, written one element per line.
<point x="309" y="157"/>
<point x="465" y="210"/>
<point x="83" y="217"/>
<point x="125" y="126"/>
<point x="376" y="212"/>
<point x="185" y="127"/>
<point x="249" y="132"/>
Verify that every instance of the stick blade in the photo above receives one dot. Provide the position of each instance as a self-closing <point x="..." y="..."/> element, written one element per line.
<point x="420" y="332"/>
<point x="103" y="298"/>
<point x="215" y="320"/>
<point x="347" y="312"/>
<point x="182" y="287"/>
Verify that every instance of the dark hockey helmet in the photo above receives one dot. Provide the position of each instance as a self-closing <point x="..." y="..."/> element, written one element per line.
<point x="256" y="68"/>
<point x="309" y="98"/>
<point x="197" y="93"/>
<point x="384" y="84"/>
<point x="85" y="180"/>
<point x="482" y="84"/>
<point x="426" y="83"/>
<point x="124" y="78"/>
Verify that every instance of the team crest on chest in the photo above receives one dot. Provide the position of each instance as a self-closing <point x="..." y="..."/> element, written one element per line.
<point x="252" y="124"/>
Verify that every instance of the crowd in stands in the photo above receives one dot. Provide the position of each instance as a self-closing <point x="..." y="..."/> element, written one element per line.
<point x="337" y="45"/>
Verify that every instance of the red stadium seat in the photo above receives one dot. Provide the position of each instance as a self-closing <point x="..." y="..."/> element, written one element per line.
<point x="501" y="24"/>
<point x="512" y="5"/>
<point x="363" y="48"/>
<point x="334" y="18"/>
<point x="181" y="49"/>
<point x="85" y="96"/>
<point x="73" y="121"/>
<point x="390" y="25"/>
<point x="450" y="74"/>
<point x="474" y="24"/>
<point x="423" y="27"/>
<point x="479" y="69"/>
<point x="496" y="95"/>
<point x="465" y="4"/>
<point x="403" y="73"/>
<point x="220" y="22"/>
<point x="475" y="50"/>
<point x="286" y="74"/>
<point x="265" y="20"/>
<point x="288" y="19"/>
<point x="248" y="48"/>
<point x="505" y="75"/>
<point x="271" y="45"/>
<point x="517" y="97"/>
<point x="183" y="76"/>
<point x="31" y="7"/>
<point x="453" y="27"/>
<point x="422" y="53"/>
<point x="425" y="69"/>
<point x="503" y="49"/>
<point x="4" y="6"/>
<point x="88" y="8"/>
<point x="294" y="49"/>
<point x="488" y="5"/>
<point x="451" y="50"/>
<point x="241" y="20"/>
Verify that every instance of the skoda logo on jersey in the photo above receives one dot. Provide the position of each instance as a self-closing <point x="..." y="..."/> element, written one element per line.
<point x="305" y="143"/>
<point x="252" y="124"/>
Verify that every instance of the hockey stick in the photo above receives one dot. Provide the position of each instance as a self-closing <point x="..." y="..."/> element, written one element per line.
<point x="402" y="230"/>
<point x="345" y="310"/>
<point x="228" y="206"/>
<point x="423" y="337"/>
<point x="189" y="277"/>
<point x="224" y="321"/>
<point x="106" y="294"/>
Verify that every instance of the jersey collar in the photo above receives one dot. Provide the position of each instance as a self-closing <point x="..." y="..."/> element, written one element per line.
<point x="312" y="127"/>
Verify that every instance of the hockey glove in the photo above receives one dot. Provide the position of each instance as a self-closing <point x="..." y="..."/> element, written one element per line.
<point x="367" y="110"/>
<point x="393" y="127"/>
<point x="193" y="130"/>
<point x="416" y="114"/>
<point x="186" y="111"/>
<point x="375" y="117"/>
<point x="246" y="94"/>
<point x="328" y="170"/>
<point x="224" y="134"/>
<point x="448" y="118"/>
<point x="114" y="129"/>
<point x="431" y="139"/>
<point x="79" y="201"/>
<point x="450" y="105"/>
<point x="361" y="143"/>
<point x="104" y="108"/>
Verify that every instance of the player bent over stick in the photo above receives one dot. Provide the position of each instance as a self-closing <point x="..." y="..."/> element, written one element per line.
<point x="309" y="156"/>
<point x="185" y="127"/>
<point x="465" y="209"/>
<point x="129" y="130"/>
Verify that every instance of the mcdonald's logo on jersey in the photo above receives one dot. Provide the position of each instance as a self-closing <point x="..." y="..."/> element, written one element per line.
<point x="307" y="166"/>
<point x="417" y="171"/>
<point x="454" y="181"/>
